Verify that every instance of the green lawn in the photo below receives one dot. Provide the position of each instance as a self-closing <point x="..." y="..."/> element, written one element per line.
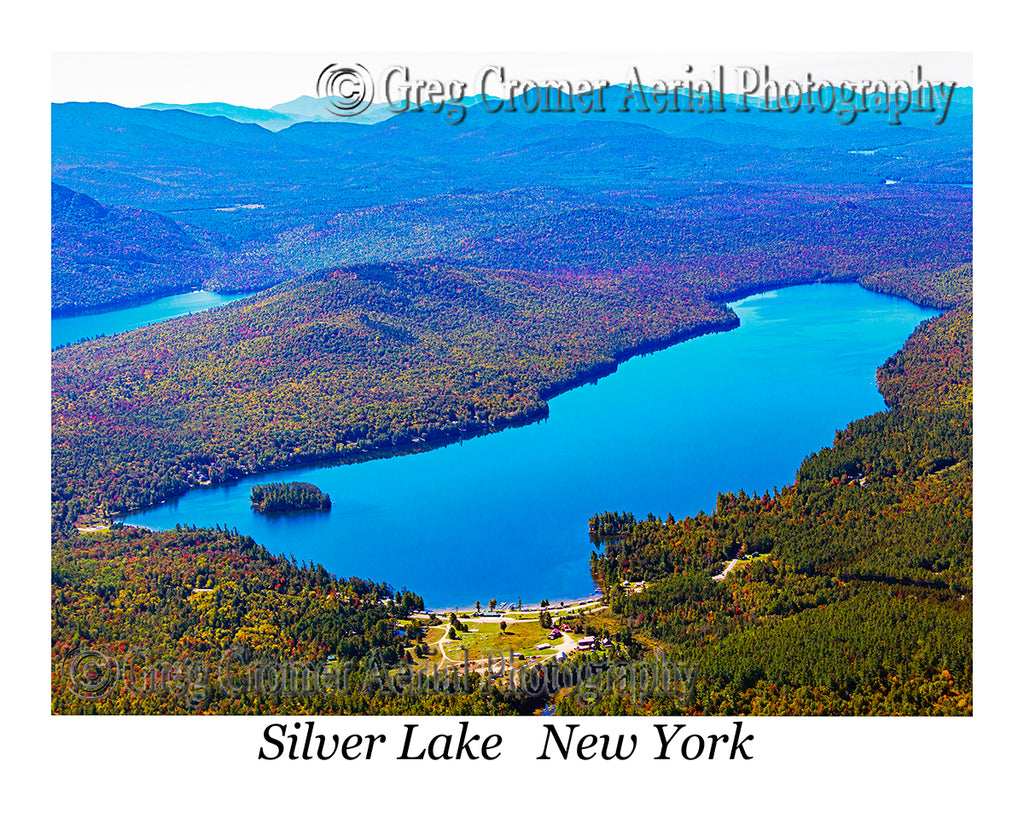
<point x="746" y="561"/>
<point x="486" y="638"/>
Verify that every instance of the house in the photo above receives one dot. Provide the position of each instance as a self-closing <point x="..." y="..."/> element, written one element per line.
<point x="587" y="642"/>
<point x="555" y="634"/>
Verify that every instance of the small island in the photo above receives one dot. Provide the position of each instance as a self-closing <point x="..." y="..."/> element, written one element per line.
<point x="269" y="498"/>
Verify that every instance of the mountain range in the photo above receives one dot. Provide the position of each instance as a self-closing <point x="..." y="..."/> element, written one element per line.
<point x="277" y="117"/>
<point x="559" y="192"/>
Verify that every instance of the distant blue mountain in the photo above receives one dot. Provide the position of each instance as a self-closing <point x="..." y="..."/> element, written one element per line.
<point x="312" y="109"/>
<point x="278" y="117"/>
<point x="268" y="119"/>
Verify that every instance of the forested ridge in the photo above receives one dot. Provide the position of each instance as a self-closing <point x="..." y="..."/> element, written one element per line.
<point x="853" y="590"/>
<point x="103" y="256"/>
<point x="354" y="363"/>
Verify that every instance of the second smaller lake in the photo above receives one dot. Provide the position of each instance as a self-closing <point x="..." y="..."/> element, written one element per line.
<point x="70" y="329"/>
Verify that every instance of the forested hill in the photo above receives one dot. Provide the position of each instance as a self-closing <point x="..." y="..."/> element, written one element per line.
<point x="852" y="594"/>
<point x="208" y="622"/>
<point x="103" y="256"/>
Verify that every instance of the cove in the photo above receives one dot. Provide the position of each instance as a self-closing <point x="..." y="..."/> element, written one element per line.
<point x="71" y="329"/>
<point x="506" y="515"/>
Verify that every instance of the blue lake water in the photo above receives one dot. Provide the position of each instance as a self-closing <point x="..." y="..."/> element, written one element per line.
<point x="506" y="515"/>
<point x="69" y="329"/>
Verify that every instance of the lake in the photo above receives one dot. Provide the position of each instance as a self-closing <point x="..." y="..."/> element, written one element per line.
<point x="506" y="515"/>
<point x="69" y="329"/>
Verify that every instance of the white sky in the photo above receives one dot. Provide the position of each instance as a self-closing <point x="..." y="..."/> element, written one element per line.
<point x="260" y="80"/>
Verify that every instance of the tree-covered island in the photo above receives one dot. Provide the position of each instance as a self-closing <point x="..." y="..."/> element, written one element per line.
<point x="288" y="497"/>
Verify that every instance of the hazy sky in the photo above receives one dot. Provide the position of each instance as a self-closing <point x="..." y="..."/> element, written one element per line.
<point x="260" y="80"/>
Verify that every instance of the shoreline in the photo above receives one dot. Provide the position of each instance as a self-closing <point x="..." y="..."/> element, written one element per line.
<point x="142" y="301"/>
<point x="551" y="608"/>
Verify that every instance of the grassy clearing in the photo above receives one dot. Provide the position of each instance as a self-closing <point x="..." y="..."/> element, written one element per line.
<point x="487" y="638"/>
<point x="746" y="561"/>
